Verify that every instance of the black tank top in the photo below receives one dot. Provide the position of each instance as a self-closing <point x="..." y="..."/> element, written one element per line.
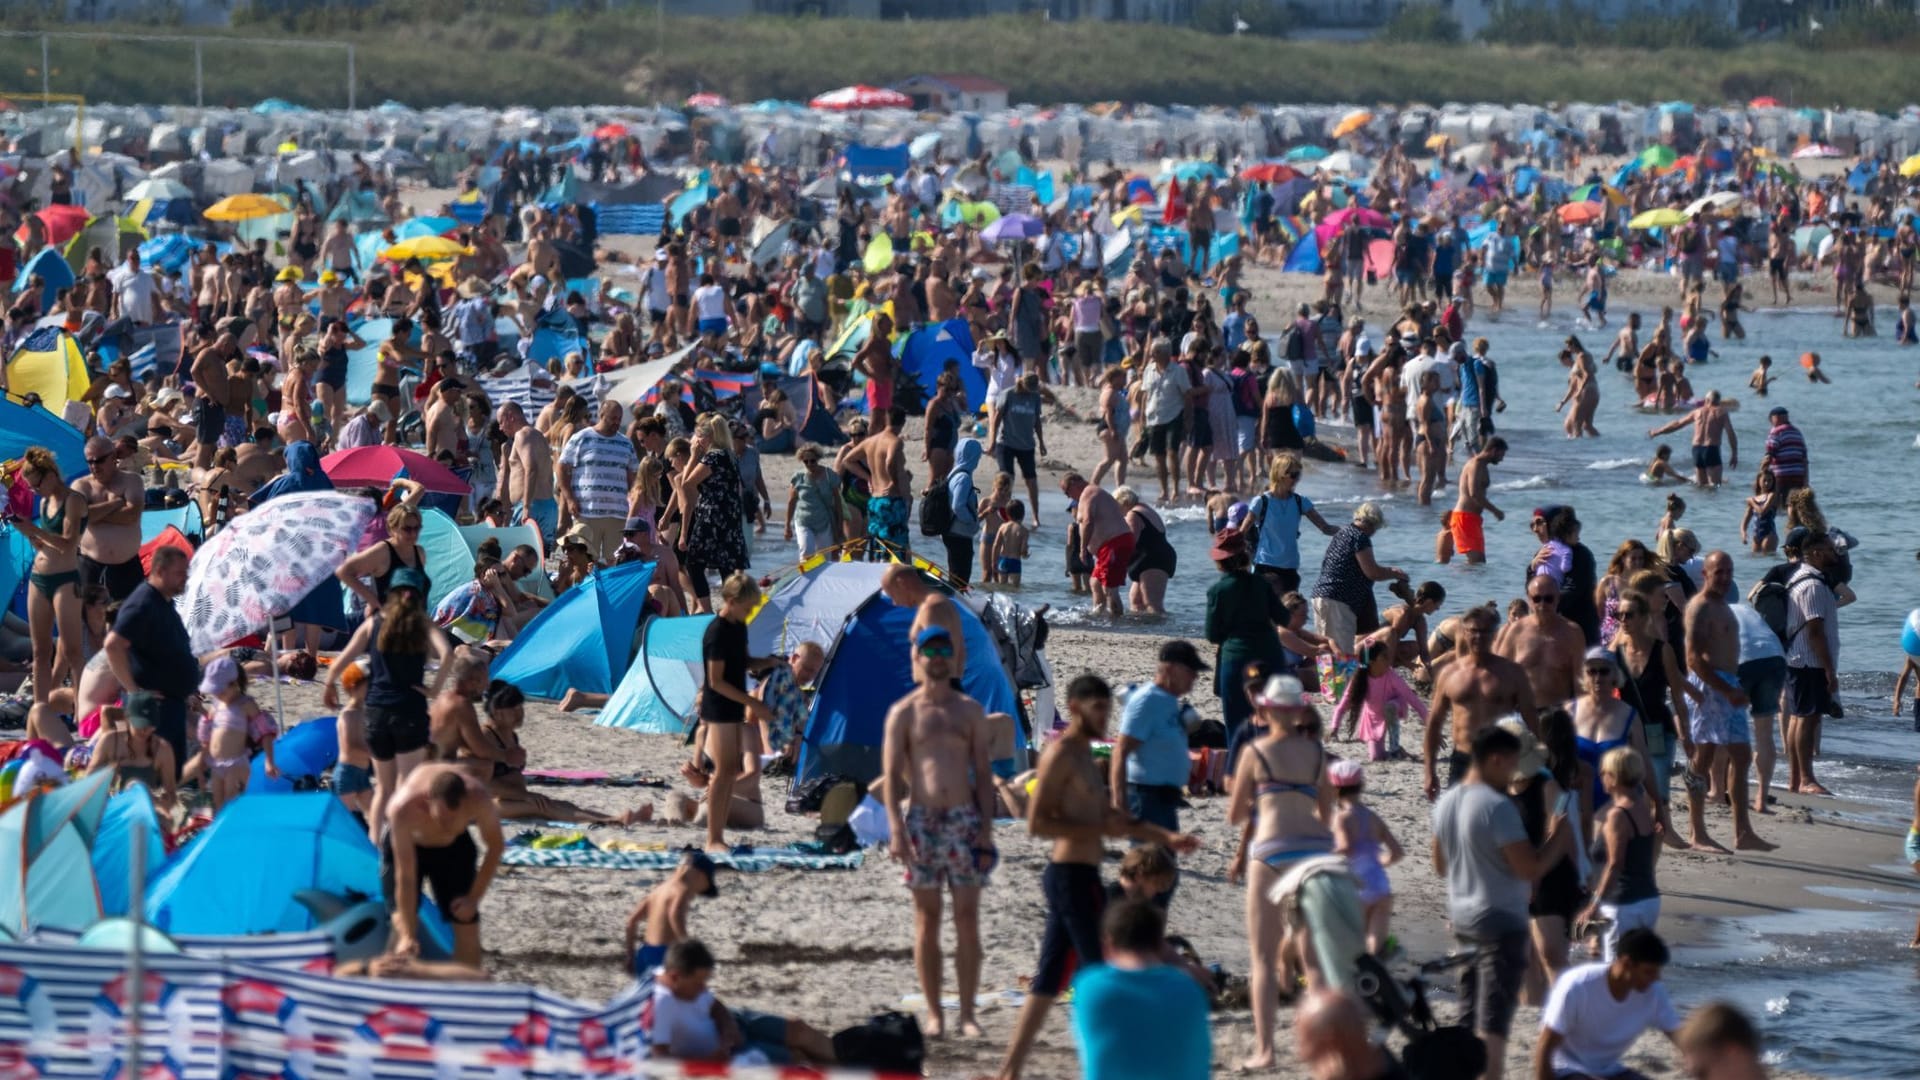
<point x="393" y="676"/>
<point x="1635" y="880"/>
<point x="1281" y="433"/>
<point x="1564" y="878"/>
<point x="1647" y="691"/>
<point x="394" y="562"/>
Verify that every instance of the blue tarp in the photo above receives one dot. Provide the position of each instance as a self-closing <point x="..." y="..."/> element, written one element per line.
<point x="168" y="252"/>
<point x="869" y="669"/>
<point x="925" y="352"/>
<point x="113" y="847"/>
<point x="21" y="427"/>
<point x="52" y="268"/>
<point x="581" y="641"/>
<point x="1305" y="256"/>
<point x="656" y="694"/>
<point x="871" y="164"/>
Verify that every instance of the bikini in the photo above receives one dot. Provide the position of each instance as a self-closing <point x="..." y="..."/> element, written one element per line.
<point x="1281" y="852"/>
<point x="50" y="584"/>
<point x="225" y="717"/>
<point x="1592" y="750"/>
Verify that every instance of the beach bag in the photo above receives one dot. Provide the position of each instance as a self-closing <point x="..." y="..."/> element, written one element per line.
<point x="1246" y="394"/>
<point x="890" y="1042"/>
<point x="1294" y="344"/>
<point x="1769" y="598"/>
<point x="838" y="804"/>
<point x="936" y="510"/>
<point x="1335" y="675"/>
<point x="807" y="797"/>
<point x="835" y="839"/>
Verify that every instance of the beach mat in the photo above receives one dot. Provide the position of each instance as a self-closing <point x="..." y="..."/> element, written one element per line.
<point x="749" y="862"/>
<point x="590" y="778"/>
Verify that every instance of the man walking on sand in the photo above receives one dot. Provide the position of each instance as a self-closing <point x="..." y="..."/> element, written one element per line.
<point x="937" y="755"/>
<point x="1463" y="532"/>
<point x="1106" y="542"/>
<point x="1722" y="730"/>
<point x="1476" y="690"/>
<point x="890" y="486"/>
<point x="1069" y="807"/>
<point x="1710" y="421"/>
<point x="1813" y="660"/>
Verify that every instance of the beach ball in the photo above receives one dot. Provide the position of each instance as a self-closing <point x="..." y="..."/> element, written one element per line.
<point x="1910" y="634"/>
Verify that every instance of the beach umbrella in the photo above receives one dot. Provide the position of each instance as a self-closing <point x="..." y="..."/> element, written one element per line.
<point x="1764" y="103"/>
<point x="1911" y="166"/>
<point x="267" y="560"/>
<point x="610" y="131"/>
<point x="1818" y="150"/>
<point x="169" y="251"/>
<point x="860" y="96"/>
<point x="62" y="223"/>
<point x="1581" y="213"/>
<point x="1809" y="237"/>
<point x="1305" y="153"/>
<point x="1718" y="202"/>
<point x="158" y="189"/>
<point x="1664" y="217"/>
<point x="1657" y="157"/>
<point x="1606" y="193"/>
<point x="1780" y="172"/>
<point x="1013" y="227"/>
<point x="1368" y="219"/>
<point x="708" y="101"/>
<point x="1189" y="171"/>
<point x="244" y="207"/>
<point x="425" y="247"/>
<point x="1271" y="172"/>
<point x="1346" y="161"/>
<point x="1351" y="123"/>
<point x="1439" y="142"/>
<point x="376" y="466"/>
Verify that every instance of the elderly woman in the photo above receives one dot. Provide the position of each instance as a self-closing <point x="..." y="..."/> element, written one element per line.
<point x="1154" y="560"/>
<point x="1343" y="601"/>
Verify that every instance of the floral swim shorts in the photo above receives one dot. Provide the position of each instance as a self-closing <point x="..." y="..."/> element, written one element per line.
<point x="944" y="848"/>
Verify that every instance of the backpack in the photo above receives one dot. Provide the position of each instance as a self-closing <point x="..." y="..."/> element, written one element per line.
<point x="936" y="510"/>
<point x="1769" y="598"/>
<point x="1294" y="344"/>
<point x="1246" y="394"/>
<point x="890" y="1042"/>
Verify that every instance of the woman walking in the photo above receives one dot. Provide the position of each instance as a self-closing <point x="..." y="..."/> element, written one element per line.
<point x="1626" y="892"/>
<point x="711" y="502"/>
<point x="1154" y="560"/>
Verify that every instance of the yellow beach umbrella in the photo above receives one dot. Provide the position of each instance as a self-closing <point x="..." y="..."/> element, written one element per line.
<point x="245" y="207"/>
<point x="1130" y="214"/>
<point x="1664" y="217"/>
<point x="1911" y="166"/>
<point x="1351" y="123"/>
<point x="425" y="247"/>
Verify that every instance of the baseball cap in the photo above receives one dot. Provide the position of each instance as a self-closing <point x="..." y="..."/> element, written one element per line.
<point x="1182" y="652"/>
<point x="115" y="390"/>
<point x="1797" y="538"/>
<point x="219" y="675"/>
<point x="1282" y="692"/>
<point x="929" y="634"/>
<point x="406" y="577"/>
<point x="637" y="524"/>
<point x="701" y="861"/>
<point x="1777" y="410"/>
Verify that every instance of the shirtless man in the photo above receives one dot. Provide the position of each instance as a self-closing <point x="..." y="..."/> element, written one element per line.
<point x="1722" y="728"/>
<point x="1626" y="345"/>
<point x="1106" y="541"/>
<point x="110" y="544"/>
<point x="336" y="254"/>
<point x="445" y="429"/>
<point x="1464" y="530"/>
<point x="1710" y="421"/>
<point x="209" y="374"/>
<point x="904" y="586"/>
<point x="942" y="304"/>
<point x="1475" y="690"/>
<point x="542" y="256"/>
<point x="389" y="359"/>
<point x="875" y="361"/>
<point x="1069" y="806"/>
<point x="890" y="501"/>
<point x="526" y="472"/>
<point x="454" y="722"/>
<point x="1546" y="644"/>
<point x="1404" y="627"/>
<point x="937" y="754"/>
<point x="427" y="842"/>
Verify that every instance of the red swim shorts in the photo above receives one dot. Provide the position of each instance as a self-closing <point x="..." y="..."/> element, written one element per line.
<point x="1110" y="565"/>
<point x="1469" y="533"/>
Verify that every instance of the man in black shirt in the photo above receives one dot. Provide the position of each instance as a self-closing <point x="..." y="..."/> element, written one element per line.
<point x="149" y="653"/>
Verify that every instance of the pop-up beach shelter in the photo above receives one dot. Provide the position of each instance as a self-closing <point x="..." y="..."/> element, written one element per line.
<point x="450" y="552"/>
<point x="46" y="866"/>
<point x="581" y="641"/>
<point x="113" y="847"/>
<point x="241" y="874"/>
<point x="24" y="425"/>
<point x="656" y="694"/>
<point x="48" y="363"/>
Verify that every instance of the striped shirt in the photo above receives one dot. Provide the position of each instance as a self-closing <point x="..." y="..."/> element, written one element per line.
<point x="1787" y="451"/>
<point x="603" y="467"/>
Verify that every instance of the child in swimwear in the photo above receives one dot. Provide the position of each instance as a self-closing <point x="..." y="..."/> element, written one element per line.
<point x="1660" y="469"/>
<point x="992" y="513"/>
<point x="1756" y="524"/>
<point x="659" y="920"/>
<point x="1148" y="871"/>
<point x="1370" y="847"/>
<point x="1730" y="309"/>
<point x="353" y="771"/>
<point x="1077" y="568"/>
<point x="1696" y="344"/>
<point x="1669" y="521"/>
<point x="1010" y="545"/>
<point x="1908" y="670"/>
<point x="1913" y="851"/>
<point x="1546" y="288"/>
<point x="232" y="727"/>
<point x="1762" y="376"/>
<point x="1811" y="361"/>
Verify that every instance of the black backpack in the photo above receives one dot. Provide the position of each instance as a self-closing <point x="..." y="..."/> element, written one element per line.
<point x="936" y="510"/>
<point x="890" y="1042"/>
<point x="1770" y="600"/>
<point x="1294" y="345"/>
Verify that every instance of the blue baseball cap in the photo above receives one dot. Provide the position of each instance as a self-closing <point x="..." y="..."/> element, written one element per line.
<point x="929" y="634"/>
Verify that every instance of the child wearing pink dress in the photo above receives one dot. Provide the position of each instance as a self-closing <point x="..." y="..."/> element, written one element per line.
<point x="1378" y="697"/>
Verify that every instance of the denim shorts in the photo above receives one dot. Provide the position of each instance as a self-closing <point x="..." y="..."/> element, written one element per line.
<point x="1761" y="681"/>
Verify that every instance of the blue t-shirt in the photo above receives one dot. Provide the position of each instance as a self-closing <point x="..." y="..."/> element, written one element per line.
<point x="1141" y="1025"/>
<point x="1470" y="373"/>
<point x="1153" y="717"/>
<point x="1279" y="523"/>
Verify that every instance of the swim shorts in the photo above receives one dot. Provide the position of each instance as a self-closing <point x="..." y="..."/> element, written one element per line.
<point x="887" y="520"/>
<point x="1496" y="279"/>
<point x="944" y="849"/>
<point x="1706" y="457"/>
<point x="1469" y="532"/>
<point x="450" y="872"/>
<point x="713" y="327"/>
<point x="1807" y="693"/>
<point x="1110" y="563"/>
<point x="1913" y="848"/>
<point x="1490" y="986"/>
<point x="351" y="779"/>
<point x="1715" y="720"/>
<point x="1075" y="901"/>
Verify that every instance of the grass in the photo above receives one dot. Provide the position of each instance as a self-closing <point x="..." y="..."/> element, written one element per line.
<point x="614" y="58"/>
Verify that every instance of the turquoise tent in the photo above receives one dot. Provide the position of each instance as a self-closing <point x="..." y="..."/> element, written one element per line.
<point x="583" y="640"/>
<point x="363" y="364"/>
<point x="656" y="694"/>
<point x="113" y="847"/>
<point x="46" y="870"/>
<point x="185" y="517"/>
<point x="241" y="874"/>
<point x="450" y="549"/>
<point x="22" y="426"/>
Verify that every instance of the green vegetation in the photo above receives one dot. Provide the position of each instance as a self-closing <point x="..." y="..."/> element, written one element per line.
<point x="434" y="52"/>
<point x="1422" y="24"/>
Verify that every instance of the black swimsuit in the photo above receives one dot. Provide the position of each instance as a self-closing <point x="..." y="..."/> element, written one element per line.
<point x="1152" y="552"/>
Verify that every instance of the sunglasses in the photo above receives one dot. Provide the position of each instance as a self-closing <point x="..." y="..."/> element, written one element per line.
<point x="936" y="650"/>
<point x="1544" y="598"/>
<point x="99" y="460"/>
<point x="413" y="528"/>
<point x="1294" y="475"/>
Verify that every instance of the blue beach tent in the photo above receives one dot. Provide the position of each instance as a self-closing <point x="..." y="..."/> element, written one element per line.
<point x="46" y="873"/>
<point x="583" y="640"/>
<point x="113" y="847"/>
<point x="925" y="352"/>
<point x="656" y="694"/>
<point x="240" y="875"/>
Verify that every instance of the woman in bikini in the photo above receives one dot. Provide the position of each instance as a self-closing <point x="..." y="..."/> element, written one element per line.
<point x="506" y="711"/>
<point x="135" y="754"/>
<point x="60" y="514"/>
<point x="369" y="572"/>
<point x="1282" y="794"/>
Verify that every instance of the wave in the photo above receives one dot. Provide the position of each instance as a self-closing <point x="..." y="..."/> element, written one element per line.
<point x="1531" y="483"/>
<point x="1614" y="463"/>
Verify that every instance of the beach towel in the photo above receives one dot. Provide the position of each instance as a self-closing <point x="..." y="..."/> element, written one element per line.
<point x="752" y="861"/>
<point x="590" y="778"/>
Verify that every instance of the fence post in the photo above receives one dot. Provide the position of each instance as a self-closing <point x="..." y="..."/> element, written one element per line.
<point x="199" y="77"/>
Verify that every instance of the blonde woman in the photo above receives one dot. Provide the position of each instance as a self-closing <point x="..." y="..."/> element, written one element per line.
<point x="1627" y="891"/>
<point x="53" y="600"/>
<point x="710" y="496"/>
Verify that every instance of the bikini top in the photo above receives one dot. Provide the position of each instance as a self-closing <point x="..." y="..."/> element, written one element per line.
<point x="56" y="522"/>
<point x="1273" y="785"/>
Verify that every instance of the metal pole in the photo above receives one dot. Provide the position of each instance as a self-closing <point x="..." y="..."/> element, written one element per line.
<point x="350" y="78"/>
<point x="46" y="69"/>
<point x="136" y="975"/>
<point x="199" y="77"/>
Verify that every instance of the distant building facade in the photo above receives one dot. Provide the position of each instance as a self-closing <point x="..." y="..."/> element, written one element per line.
<point x="954" y="93"/>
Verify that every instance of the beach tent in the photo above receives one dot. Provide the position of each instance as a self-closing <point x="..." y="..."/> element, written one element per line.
<point x="656" y="694"/>
<point x="22" y="426"/>
<point x="364" y="364"/>
<point x="46" y="870"/>
<point x="304" y="752"/>
<point x="169" y="537"/>
<point x="239" y="876"/>
<point x="16" y="557"/>
<point x="925" y="353"/>
<point x="874" y="164"/>
<point x="185" y="518"/>
<point x="113" y="847"/>
<point x="581" y="641"/>
<point x="52" y="268"/>
<point x="813" y="410"/>
<point x="450" y="553"/>
<point x="48" y="363"/>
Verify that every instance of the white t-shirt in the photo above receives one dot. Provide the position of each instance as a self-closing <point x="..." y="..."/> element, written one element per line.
<point x="710" y="302"/>
<point x="603" y="468"/>
<point x="1166" y="392"/>
<point x="684" y="1028"/>
<point x="1809" y="598"/>
<point x="1595" y="1029"/>
<point x="135" y="291"/>
<point x="656" y="284"/>
<point x="1757" y="639"/>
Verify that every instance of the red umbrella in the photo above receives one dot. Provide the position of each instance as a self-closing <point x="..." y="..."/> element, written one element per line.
<point x="610" y="131"/>
<point x="707" y="101"/>
<point x="1764" y="103"/>
<point x="861" y="97"/>
<point x="61" y="222"/>
<point x="1272" y="172"/>
<point x="376" y="466"/>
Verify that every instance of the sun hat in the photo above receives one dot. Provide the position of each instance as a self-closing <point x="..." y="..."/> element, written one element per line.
<point x="220" y="674"/>
<point x="1530" y="759"/>
<point x="291" y="273"/>
<point x="1282" y="692"/>
<point x="1346" y="773"/>
<point x="406" y="577"/>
